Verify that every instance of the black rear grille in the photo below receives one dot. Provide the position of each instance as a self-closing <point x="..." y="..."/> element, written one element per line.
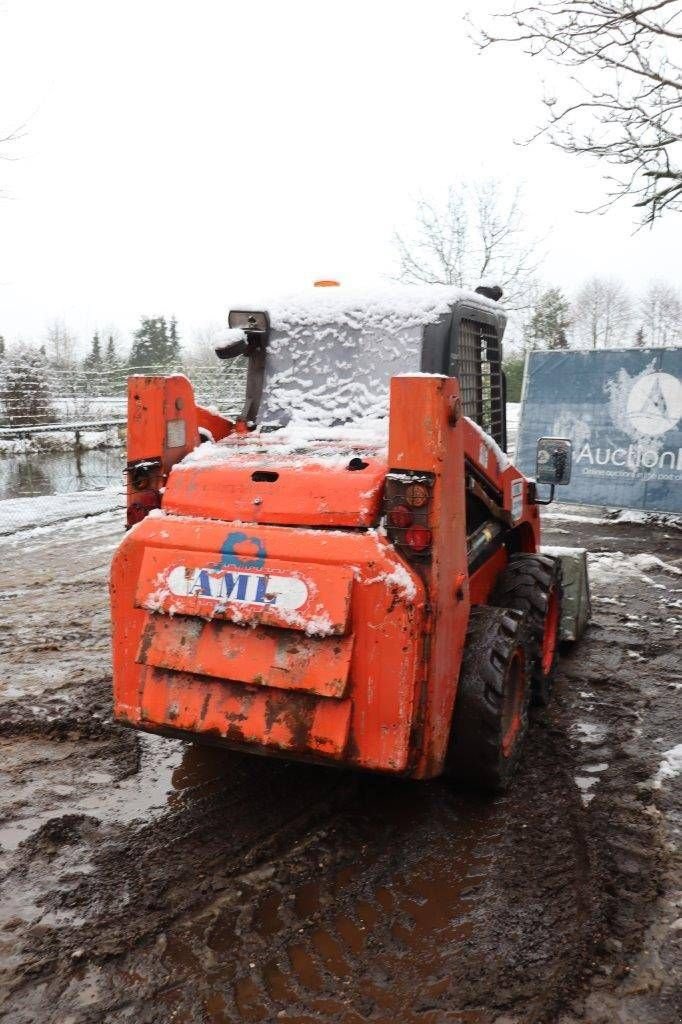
<point x="479" y="369"/>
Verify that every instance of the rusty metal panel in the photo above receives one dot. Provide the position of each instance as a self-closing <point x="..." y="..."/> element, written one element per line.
<point x="387" y="617"/>
<point x="296" y="722"/>
<point x="283" y="659"/>
<point x="427" y="434"/>
<point x="245" y="588"/>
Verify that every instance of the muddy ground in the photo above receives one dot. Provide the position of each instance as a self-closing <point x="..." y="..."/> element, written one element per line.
<point x="144" y="880"/>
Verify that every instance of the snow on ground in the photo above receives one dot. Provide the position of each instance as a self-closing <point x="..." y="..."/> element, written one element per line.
<point x="608" y="566"/>
<point x="47" y="510"/>
<point x="102" y="406"/>
<point x="670" y="767"/>
<point x="86" y="436"/>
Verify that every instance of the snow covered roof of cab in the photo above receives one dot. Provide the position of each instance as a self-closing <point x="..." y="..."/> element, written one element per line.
<point x="391" y="308"/>
<point x="332" y="351"/>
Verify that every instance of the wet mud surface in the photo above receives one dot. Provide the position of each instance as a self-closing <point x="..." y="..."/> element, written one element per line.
<point x="145" y="880"/>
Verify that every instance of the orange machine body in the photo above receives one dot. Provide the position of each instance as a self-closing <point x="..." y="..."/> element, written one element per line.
<point x="263" y="605"/>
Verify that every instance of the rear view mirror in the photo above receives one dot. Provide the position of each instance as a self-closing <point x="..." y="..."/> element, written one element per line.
<point x="249" y="320"/>
<point x="554" y="458"/>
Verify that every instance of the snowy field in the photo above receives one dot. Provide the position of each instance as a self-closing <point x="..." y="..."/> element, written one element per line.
<point x="84" y="436"/>
<point x="19" y="514"/>
<point x="103" y="407"/>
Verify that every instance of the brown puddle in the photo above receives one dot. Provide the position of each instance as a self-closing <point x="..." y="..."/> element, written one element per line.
<point x="166" y="769"/>
<point x="352" y="941"/>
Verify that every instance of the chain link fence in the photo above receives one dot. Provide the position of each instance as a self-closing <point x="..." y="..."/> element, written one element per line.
<point x="32" y="394"/>
<point x="64" y="456"/>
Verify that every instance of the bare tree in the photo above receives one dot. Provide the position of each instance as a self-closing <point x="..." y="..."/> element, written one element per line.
<point x="476" y="234"/>
<point x="660" y="314"/>
<point x="5" y="147"/>
<point x="601" y="313"/>
<point x="60" y="345"/>
<point x="623" y="101"/>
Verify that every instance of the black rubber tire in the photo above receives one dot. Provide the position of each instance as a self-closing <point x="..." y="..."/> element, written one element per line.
<point x="496" y="651"/>
<point x="526" y="585"/>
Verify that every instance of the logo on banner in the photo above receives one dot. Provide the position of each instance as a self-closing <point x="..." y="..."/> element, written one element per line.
<point x="653" y="405"/>
<point x="644" y="408"/>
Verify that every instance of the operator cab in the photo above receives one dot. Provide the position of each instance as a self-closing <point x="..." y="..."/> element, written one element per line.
<point x="327" y="359"/>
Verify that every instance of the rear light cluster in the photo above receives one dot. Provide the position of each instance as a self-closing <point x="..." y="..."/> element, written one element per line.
<point x="144" y="480"/>
<point x="407" y="507"/>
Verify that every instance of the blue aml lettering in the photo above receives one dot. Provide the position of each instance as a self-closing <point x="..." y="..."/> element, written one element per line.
<point x="262" y="596"/>
<point x="202" y="585"/>
<point x="241" y="580"/>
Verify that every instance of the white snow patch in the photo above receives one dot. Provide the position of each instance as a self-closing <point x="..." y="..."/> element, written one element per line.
<point x="12" y="691"/>
<point x="230" y="335"/>
<point x="51" y="509"/>
<point x="607" y="566"/>
<point x="330" y="447"/>
<point x="585" y="784"/>
<point x="420" y="373"/>
<point x="491" y="443"/>
<point x="396" y="306"/>
<point x="63" y="440"/>
<point x="646" y="518"/>
<point x="650" y="563"/>
<point x="592" y="733"/>
<point x="398" y="577"/>
<point x="670" y="767"/>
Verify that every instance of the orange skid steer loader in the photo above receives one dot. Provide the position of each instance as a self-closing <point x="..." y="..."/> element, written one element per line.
<point x="348" y="572"/>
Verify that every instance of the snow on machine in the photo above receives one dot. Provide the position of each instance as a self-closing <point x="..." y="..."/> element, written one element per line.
<point x="350" y="571"/>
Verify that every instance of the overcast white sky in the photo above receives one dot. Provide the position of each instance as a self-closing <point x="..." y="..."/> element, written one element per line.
<point x="181" y="155"/>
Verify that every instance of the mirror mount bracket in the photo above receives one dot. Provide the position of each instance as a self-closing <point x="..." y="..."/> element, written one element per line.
<point x="544" y="501"/>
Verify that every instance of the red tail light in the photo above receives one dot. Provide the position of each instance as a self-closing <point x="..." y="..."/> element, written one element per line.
<point x="401" y="517"/>
<point x="418" y="538"/>
<point x="407" y="506"/>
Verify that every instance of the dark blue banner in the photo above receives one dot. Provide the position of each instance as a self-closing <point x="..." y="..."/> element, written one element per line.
<point x="623" y="412"/>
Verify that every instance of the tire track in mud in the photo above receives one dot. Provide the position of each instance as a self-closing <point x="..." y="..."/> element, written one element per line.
<point x="403" y="902"/>
<point x="265" y="891"/>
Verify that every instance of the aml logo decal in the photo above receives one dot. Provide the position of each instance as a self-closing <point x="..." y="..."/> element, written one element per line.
<point x="284" y="592"/>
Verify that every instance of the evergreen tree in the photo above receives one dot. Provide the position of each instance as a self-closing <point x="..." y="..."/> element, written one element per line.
<point x="550" y="321"/>
<point x="640" y="340"/>
<point x="25" y="394"/>
<point x="110" y="356"/>
<point x="93" y="360"/>
<point x="513" y="371"/>
<point x="153" y="346"/>
<point x="174" y="340"/>
<point x="2" y="346"/>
